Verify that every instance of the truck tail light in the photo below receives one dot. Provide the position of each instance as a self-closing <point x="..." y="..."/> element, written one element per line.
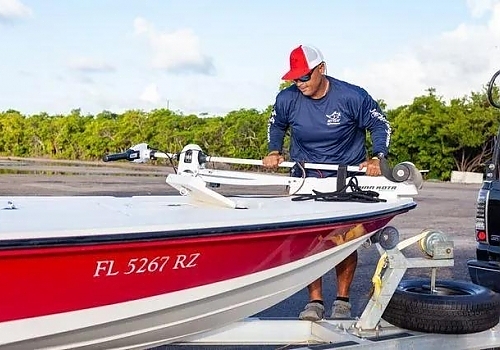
<point x="480" y="236"/>
<point x="482" y="198"/>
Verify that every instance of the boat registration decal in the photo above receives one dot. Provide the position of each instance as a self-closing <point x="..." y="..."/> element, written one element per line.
<point x="140" y="265"/>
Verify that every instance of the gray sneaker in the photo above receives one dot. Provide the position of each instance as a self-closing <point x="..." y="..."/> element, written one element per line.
<point x="341" y="309"/>
<point x="313" y="312"/>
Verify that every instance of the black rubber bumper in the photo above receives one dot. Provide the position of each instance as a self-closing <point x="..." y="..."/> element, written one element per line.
<point x="485" y="273"/>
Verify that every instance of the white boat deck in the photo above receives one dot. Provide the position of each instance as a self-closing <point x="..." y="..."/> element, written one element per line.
<point x="38" y="217"/>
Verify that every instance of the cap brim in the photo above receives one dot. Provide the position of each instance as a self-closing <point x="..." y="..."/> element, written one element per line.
<point x="295" y="74"/>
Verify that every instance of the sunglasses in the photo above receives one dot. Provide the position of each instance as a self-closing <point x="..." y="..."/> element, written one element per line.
<point x="306" y="77"/>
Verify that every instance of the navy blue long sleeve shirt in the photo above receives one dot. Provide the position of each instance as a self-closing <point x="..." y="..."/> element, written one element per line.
<point x="331" y="129"/>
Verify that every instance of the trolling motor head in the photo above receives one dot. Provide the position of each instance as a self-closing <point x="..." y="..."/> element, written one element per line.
<point x="191" y="159"/>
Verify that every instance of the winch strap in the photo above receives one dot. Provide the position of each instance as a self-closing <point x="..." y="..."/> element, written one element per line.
<point x="341" y="176"/>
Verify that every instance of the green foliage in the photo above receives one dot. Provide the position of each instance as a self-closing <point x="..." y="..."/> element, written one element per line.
<point x="14" y="136"/>
<point x="429" y="132"/>
<point x="418" y="135"/>
<point x="285" y="84"/>
<point x="444" y="137"/>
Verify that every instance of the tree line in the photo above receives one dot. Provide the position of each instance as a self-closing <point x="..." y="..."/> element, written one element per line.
<point x="434" y="134"/>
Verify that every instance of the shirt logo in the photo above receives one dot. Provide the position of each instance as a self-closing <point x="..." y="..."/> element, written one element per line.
<point x="333" y="119"/>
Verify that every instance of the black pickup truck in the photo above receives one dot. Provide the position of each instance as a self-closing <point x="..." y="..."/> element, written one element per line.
<point x="485" y="269"/>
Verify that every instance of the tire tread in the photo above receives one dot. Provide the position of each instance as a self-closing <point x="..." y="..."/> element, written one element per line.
<point x="446" y="315"/>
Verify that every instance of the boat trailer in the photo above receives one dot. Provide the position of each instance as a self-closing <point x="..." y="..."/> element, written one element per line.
<point x="336" y="334"/>
<point x="369" y="331"/>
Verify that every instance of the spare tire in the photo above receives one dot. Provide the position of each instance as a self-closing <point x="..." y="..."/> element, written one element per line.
<point x="456" y="307"/>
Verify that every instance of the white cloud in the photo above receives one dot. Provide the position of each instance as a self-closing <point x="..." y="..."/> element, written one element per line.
<point x="455" y="63"/>
<point x="14" y="9"/>
<point x="151" y="94"/>
<point x="142" y="26"/>
<point x="480" y="7"/>
<point x="90" y="65"/>
<point x="190" y="95"/>
<point x="494" y="23"/>
<point x="177" y="52"/>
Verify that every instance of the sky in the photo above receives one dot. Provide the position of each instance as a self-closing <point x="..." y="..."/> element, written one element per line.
<point x="216" y="56"/>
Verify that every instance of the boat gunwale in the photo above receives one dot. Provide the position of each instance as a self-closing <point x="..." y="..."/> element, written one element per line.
<point x="162" y="235"/>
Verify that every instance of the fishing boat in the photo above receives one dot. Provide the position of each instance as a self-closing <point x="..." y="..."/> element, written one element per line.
<point x="105" y="272"/>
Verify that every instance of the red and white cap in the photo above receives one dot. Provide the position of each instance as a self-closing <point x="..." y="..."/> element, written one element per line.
<point x="302" y="60"/>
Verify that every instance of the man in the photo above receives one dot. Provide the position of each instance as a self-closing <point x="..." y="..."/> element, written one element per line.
<point x="328" y="119"/>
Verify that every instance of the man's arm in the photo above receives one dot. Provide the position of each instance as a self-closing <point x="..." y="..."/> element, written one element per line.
<point x="373" y="119"/>
<point x="277" y="126"/>
<point x="276" y="129"/>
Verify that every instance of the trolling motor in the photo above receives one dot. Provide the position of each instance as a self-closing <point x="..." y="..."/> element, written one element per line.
<point x="192" y="158"/>
<point x="192" y="175"/>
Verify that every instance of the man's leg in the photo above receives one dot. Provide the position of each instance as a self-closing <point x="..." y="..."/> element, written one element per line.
<point x="345" y="274"/>
<point x="314" y="310"/>
<point x="315" y="290"/>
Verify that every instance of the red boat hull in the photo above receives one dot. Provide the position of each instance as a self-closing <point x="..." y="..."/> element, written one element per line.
<point x="57" y="279"/>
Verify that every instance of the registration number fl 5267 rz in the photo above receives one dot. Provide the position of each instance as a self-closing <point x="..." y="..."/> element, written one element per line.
<point x="143" y="265"/>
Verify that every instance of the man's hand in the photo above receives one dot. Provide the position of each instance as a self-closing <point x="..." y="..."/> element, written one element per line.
<point x="272" y="160"/>
<point x="372" y="167"/>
